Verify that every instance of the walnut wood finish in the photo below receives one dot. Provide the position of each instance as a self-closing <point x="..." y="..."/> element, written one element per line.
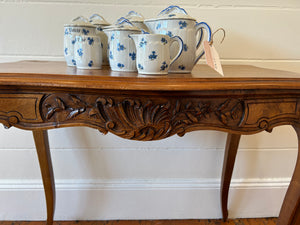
<point x="231" y="148"/>
<point x="260" y="221"/>
<point x="44" y="156"/>
<point x="290" y="210"/>
<point x="45" y="95"/>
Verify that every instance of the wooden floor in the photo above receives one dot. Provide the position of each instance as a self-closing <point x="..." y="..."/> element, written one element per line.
<point x="268" y="221"/>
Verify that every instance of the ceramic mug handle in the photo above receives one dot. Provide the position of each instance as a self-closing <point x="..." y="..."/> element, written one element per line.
<point x="199" y="27"/>
<point x="180" y="42"/>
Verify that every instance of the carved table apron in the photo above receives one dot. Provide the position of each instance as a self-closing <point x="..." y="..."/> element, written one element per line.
<point x="42" y="95"/>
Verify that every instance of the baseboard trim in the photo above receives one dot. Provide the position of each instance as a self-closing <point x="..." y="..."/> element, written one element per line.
<point x="141" y="184"/>
<point x="141" y="199"/>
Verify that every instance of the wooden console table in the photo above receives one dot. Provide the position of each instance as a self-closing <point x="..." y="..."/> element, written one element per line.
<point x="43" y="95"/>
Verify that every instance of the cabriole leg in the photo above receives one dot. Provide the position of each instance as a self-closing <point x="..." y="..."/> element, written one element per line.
<point x="43" y="152"/>
<point x="290" y="209"/>
<point x="231" y="148"/>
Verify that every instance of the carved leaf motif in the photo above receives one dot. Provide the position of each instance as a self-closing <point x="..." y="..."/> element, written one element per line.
<point x="93" y="112"/>
<point x="76" y="100"/>
<point x="188" y="105"/>
<point x="235" y="111"/>
<point x="73" y="113"/>
<point x="77" y="106"/>
<point x="50" y="113"/>
<point x="58" y="106"/>
<point x="223" y="118"/>
<point x="191" y="117"/>
<point x="177" y="107"/>
<point x="224" y="105"/>
<point x="140" y="119"/>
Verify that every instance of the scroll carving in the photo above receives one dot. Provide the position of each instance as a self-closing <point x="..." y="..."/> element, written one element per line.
<point x="19" y="109"/>
<point x="266" y="114"/>
<point x="142" y="119"/>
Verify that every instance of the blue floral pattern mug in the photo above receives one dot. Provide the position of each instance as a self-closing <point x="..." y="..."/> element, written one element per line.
<point x="78" y="26"/>
<point x="101" y="23"/>
<point x="153" y="52"/>
<point x="88" y="52"/>
<point x="122" y="51"/>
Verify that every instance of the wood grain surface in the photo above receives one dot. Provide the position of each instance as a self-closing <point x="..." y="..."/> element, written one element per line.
<point x="262" y="221"/>
<point x="58" y="75"/>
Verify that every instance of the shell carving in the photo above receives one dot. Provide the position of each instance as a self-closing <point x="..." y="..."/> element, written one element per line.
<point x="140" y="119"/>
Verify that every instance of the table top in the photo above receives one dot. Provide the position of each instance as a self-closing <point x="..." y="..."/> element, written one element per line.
<point x="57" y="74"/>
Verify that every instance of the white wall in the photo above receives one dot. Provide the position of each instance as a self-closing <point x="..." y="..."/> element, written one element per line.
<point x="105" y="177"/>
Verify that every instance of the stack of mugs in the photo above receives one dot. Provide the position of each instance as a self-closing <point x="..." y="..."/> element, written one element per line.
<point x="135" y="44"/>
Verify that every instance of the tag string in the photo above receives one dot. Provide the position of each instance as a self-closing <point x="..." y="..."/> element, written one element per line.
<point x="213" y="34"/>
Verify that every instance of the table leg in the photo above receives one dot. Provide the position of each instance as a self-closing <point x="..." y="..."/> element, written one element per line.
<point x="290" y="209"/>
<point x="231" y="148"/>
<point x="44" y="156"/>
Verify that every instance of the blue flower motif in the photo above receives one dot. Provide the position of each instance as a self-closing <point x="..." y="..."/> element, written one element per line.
<point x="90" y="63"/>
<point x="99" y="29"/>
<point x="85" y="32"/>
<point x="140" y="66"/>
<point x="66" y="32"/>
<point x="91" y="40"/>
<point x="66" y="51"/>
<point x="79" y="51"/>
<point x="120" y="47"/>
<point x="158" y="26"/>
<point x="182" y="67"/>
<point x="171" y="15"/>
<point x="152" y="56"/>
<point x="112" y="37"/>
<point x="182" y="24"/>
<point x="143" y="43"/>
<point x="73" y="42"/>
<point x="132" y="55"/>
<point x="163" y="40"/>
<point x="74" y="62"/>
<point x="185" y="47"/>
<point x="111" y="55"/>
<point x="170" y="34"/>
<point x="120" y="65"/>
<point x="164" y="66"/>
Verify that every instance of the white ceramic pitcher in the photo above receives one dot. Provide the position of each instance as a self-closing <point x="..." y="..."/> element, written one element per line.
<point x="153" y="52"/>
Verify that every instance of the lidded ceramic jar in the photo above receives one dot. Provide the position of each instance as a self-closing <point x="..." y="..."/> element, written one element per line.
<point x="174" y="21"/>
<point x="80" y="26"/>
<point x="122" y="51"/>
<point x="101" y="24"/>
<point x="137" y="20"/>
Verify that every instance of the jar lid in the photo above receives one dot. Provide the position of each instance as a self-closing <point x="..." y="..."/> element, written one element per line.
<point x="96" y="19"/>
<point x="133" y="16"/>
<point x="122" y="24"/>
<point x="80" y="21"/>
<point x="172" y="12"/>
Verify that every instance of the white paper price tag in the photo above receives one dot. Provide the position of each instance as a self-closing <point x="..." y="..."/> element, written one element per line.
<point x="212" y="57"/>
